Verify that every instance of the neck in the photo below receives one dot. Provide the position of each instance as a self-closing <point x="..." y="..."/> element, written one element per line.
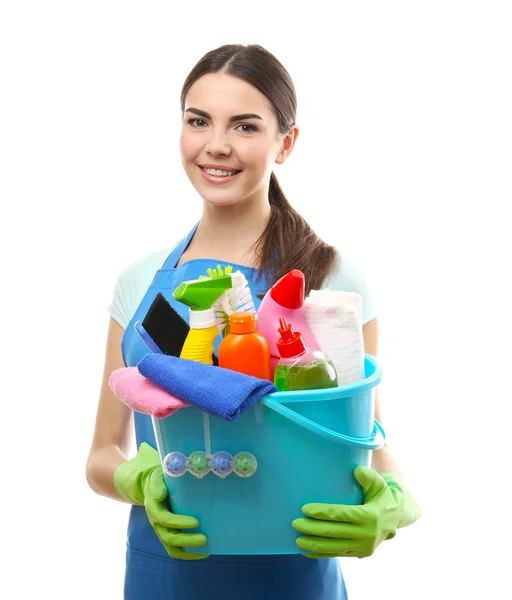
<point x="235" y="227"/>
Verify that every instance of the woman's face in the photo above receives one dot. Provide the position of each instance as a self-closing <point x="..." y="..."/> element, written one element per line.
<point x="230" y="140"/>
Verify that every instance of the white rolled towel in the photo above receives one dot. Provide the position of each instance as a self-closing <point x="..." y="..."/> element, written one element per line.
<point x="335" y="319"/>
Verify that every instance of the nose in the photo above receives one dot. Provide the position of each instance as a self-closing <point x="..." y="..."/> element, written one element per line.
<point x="218" y="144"/>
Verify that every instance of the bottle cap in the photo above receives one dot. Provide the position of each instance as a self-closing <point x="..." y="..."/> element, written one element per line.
<point x="240" y="322"/>
<point x="289" y="291"/>
<point x="290" y="344"/>
<point x="201" y="319"/>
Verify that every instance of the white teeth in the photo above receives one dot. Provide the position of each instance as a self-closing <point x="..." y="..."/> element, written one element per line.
<point x="219" y="173"/>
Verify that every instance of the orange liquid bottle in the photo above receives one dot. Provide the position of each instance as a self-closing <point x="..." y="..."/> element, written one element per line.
<point x="244" y="349"/>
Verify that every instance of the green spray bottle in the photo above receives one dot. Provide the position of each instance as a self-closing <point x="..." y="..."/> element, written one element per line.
<point x="199" y="295"/>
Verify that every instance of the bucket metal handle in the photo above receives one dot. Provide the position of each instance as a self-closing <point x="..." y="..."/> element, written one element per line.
<point x="373" y="442"/>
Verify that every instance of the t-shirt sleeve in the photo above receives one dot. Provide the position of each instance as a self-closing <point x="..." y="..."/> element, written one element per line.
<point x="132" y="284"/>
<point x="350" y="277"/>
<point x="123" y="299"/>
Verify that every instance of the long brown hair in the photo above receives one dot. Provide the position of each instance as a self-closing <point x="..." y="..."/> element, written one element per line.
<point x="288" y="242"/>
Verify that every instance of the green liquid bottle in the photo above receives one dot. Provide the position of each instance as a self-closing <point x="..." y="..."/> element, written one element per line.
<point x="300" y="368"/>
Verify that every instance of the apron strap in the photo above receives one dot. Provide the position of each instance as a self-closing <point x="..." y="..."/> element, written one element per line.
<point x="175" y="255"/>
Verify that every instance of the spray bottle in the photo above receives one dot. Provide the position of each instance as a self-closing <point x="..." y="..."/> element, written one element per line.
<point x="199" y="295"/>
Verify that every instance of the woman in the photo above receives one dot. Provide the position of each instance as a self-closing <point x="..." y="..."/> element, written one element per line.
<point x="238" y="106"/>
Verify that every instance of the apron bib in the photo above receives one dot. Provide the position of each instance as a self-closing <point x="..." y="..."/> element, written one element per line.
<point x="150" y="573"/>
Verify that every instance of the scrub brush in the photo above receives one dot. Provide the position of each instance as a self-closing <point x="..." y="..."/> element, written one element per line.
<point x="165" y="328"/>
<point x="235" y="299"/>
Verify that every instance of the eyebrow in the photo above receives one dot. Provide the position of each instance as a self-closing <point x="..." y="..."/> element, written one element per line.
<point x="243" y="117"/>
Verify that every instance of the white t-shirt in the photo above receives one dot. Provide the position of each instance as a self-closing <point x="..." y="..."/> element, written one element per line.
<point x="136" y="278"/>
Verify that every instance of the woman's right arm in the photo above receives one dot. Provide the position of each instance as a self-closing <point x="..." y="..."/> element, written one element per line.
<point x="112" y="433"/>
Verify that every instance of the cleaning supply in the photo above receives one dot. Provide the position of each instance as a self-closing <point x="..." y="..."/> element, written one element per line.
<point x="149" y="341"/>
<point x="164" y="326"/>
<point x="199" y="295"/>
<point x="199" y="464"/>
<point x="142" y="395"/>
<point x="235" y="299"/>
<point x="299" y="367"/>
<point x="220" y="392"/>
<point x="345" y="530"/>
<point x="284" y="299"/>
<point x="299" y="438"/>
<point x="163" y="329"/>
<point x="335" y="318"/>
<point x="140" y="481"/>
<point x="244" y="349"/>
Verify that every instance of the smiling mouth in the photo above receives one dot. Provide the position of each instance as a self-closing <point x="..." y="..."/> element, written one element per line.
<point x="219" y="172"/>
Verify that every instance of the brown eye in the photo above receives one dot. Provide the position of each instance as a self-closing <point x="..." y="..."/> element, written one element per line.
<point x="247" y="128"/>
<point x="197" y="123"/>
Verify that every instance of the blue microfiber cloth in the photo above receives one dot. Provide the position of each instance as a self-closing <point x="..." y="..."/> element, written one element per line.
<point x="221" y="392"/>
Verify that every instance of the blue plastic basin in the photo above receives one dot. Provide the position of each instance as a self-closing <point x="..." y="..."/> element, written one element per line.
<point x="307" y="444"/>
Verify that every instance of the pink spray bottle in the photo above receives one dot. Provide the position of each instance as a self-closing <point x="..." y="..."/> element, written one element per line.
<point x="284" y="300"/>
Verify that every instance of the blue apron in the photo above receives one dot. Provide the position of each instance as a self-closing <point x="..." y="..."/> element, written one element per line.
<point x="150" y="573"/>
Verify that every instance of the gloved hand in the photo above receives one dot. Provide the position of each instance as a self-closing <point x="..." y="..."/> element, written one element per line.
<point x="140" y="481"/>
<point x="344" y="530"/>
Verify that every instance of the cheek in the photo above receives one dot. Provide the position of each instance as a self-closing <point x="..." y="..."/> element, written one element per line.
<point x="188" y="146"/>
<point x="256" y="155"/>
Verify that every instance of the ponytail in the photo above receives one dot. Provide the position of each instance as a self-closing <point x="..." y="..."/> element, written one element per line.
<point x="288" y="242"/>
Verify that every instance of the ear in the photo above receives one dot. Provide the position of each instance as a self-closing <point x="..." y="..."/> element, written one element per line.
<point x="287" y="145"/>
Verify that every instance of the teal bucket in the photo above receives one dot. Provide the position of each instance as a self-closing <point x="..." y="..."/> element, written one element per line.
<point x="307" y="445"/>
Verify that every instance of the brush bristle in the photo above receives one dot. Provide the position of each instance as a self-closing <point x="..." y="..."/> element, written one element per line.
<point x="166" y="326"/>
<point x="236" y="299"/>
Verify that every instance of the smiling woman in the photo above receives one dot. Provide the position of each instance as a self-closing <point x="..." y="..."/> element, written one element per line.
<point x="238" y="119"/>
<point x="245" y="144"/>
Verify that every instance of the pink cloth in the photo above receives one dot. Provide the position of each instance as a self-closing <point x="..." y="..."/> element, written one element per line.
<point x="142" y="395"/>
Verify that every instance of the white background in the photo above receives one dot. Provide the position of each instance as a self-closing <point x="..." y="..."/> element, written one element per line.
<point x="403" y="161"/>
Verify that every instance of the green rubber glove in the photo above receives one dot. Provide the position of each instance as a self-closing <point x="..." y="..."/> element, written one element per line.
<point x="140" y="481"/>
<point x="344" y="530"/>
